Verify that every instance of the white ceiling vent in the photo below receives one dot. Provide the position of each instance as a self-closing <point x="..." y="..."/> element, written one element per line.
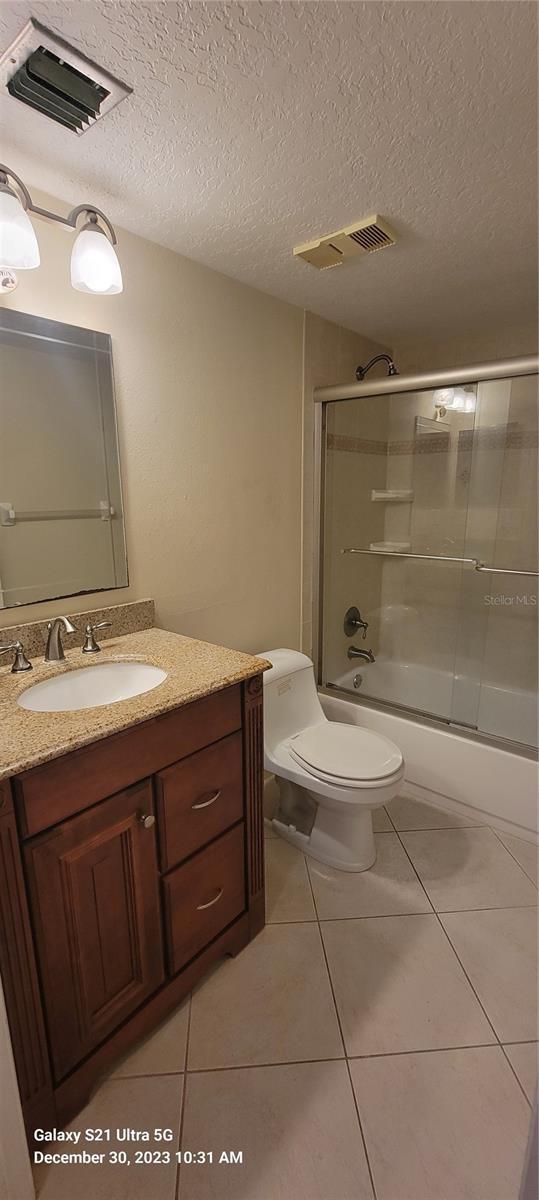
<point x="41" y="70"/>
<point x="333" y="249"/>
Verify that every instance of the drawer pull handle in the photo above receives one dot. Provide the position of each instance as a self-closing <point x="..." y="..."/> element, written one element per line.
<point x="147" y="820"/>
<point x="206" y="803"/>
<point x="210" y="903"/>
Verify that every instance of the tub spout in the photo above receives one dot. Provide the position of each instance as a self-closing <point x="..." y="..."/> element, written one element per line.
<point x="366" y="655"/>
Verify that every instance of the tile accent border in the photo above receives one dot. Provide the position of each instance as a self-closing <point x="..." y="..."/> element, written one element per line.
<point x="505" y="438"/>
<point x="132" y="617"/>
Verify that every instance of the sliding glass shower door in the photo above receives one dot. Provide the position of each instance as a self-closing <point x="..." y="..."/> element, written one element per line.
<point x="420" y="489"/>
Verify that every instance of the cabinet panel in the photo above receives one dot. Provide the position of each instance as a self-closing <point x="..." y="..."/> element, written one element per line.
<point x="199" y="798"/>
<point x="65" y="786"/>
<point x="203" y="896"/>
<point x="19" y="975"/>
<point x="94" y="895"/>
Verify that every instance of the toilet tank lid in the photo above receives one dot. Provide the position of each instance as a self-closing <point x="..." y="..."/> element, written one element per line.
<point x="284" y="662"/>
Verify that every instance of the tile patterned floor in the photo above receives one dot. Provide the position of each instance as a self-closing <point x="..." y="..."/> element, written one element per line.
<point x="378" y="1041"/>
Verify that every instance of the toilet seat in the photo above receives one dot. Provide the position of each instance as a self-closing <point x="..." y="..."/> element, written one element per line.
<point x="345" y="755"/>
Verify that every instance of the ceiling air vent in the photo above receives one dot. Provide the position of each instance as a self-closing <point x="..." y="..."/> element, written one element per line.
<point x="44" y="72"/>
<point x="333" y="249"/>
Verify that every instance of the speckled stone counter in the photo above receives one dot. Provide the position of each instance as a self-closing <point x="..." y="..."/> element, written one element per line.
<point x="194" y="669"/>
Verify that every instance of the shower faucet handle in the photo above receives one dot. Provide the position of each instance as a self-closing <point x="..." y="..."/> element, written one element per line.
<point x="353" y="622"/>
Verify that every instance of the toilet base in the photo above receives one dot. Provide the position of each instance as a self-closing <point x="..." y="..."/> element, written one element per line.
<point x="342" y="840"/>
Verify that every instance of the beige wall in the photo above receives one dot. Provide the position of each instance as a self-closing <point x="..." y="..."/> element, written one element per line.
<point x="416" y="354"/>
<point x="331" y="355"/>
<point x="209" y="385"/>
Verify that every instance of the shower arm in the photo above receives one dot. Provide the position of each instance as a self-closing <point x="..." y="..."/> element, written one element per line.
<point x="391" y="368"/>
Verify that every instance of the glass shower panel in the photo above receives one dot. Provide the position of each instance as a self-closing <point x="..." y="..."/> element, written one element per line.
<point x="496" y="664"/>
<point x="396" y="484"/>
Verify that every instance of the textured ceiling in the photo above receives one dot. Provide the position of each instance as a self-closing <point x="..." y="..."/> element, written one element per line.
<point x="254" y="126"/>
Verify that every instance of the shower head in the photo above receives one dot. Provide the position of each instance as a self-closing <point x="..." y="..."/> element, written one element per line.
<point x="391" y="368"/>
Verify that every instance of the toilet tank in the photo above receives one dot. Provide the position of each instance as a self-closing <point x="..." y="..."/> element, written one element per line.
<point x="290" y="697"/>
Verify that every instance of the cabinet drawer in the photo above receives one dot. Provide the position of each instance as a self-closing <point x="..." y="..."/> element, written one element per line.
<point x="199" y="798"/>
<point x="203" y="896"/>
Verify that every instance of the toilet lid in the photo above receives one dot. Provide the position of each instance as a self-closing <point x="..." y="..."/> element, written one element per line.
<point x="346" y="751"/>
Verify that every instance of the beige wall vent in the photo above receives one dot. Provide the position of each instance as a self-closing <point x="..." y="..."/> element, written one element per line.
<point x="333" y="249"/>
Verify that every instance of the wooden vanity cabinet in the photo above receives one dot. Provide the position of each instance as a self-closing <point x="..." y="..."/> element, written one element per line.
<point x="94" y="898"/>
<point x="130" y="866"/>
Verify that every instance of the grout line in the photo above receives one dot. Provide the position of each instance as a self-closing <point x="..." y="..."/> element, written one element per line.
<point x="446" y="935"/>
<point x="422" y="912"/>
<point x="285" y="1062"/>
<point x="522" y="1042"/>
<point x="424" y="1050"/>
<point x="391" y="821"/>
<point x="507" y="1059"/>
<point x="354" y="1097"/>
<point x="437" y="828"/>
<point x="184" y="1094"/>
<point x="519" y="864"/>
<point x="300" y="1062"/>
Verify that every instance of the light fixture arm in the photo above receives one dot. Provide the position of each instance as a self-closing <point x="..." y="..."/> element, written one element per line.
<point x="69" y="222"/>
<point x="5" y="175"/>
<point x="91" y="211"/>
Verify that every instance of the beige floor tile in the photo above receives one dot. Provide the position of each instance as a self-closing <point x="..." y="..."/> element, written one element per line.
<point x="390" y="886"/>
<point x="272" y="1003"/>
<point x="297" y="1127"/>
<point x="380" y="821"/>
<point x="526" y="853"/>
<point x="524" y="1059"/>
<point x="399" y="986"/>
<point x="467" y="868"/>
<point x="414" y="814"/>
<point x="163" y="1053"/>
<point x="288" y="891"/>
<point x="498" y="950"/>
<point x="142" y="1104"/>
<point x="450" y="1125"/>
<point x="269" y="831"/>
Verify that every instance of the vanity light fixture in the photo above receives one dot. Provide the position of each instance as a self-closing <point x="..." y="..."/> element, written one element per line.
<point x="457" y="399"/>
<point x="94" y="262"/>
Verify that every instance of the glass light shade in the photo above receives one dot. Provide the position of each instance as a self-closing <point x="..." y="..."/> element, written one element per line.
<point x="456" y="399"/>
<point x="18" y="243"/>
<point x="94" y="264"/>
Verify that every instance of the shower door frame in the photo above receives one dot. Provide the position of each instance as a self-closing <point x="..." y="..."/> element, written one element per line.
<point x="508" y="368"/>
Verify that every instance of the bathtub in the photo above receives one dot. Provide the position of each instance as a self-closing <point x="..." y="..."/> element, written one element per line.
<point x="509" y="713"/>
<point x="457" y="772"/>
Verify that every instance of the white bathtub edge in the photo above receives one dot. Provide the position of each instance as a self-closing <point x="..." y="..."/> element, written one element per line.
<point x="485" y="781"/>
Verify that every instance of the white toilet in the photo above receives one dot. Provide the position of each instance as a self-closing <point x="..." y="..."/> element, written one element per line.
<point x="330" y="776"/>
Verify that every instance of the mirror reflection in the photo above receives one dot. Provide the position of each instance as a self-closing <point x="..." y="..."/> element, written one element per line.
<point x="61" y="514"/>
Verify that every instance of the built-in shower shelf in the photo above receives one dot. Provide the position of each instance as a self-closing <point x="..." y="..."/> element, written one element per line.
<point x="392" y="496"/>
<point x="390" y="547"/>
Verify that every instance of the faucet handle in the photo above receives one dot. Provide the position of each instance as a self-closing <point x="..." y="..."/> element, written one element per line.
<point x="90" y="644"/>
<point x="353" y="622"/>
<point x="20" y="662"/>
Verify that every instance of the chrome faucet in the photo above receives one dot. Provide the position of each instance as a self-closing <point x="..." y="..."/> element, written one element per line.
<point x="54" y="651"/>
<point x="366" y="655"/>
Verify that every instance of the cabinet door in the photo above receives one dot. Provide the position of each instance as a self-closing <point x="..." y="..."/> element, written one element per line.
<point x="95" y="901"/>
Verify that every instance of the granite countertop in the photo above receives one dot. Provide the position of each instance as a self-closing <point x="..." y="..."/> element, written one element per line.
<point x="194" y="669"/>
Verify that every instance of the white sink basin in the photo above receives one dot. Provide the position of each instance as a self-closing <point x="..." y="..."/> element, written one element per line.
<point x="104" y="683"/>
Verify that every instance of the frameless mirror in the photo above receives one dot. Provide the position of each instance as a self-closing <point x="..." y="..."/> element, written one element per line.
<point x="61" y="514"/>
